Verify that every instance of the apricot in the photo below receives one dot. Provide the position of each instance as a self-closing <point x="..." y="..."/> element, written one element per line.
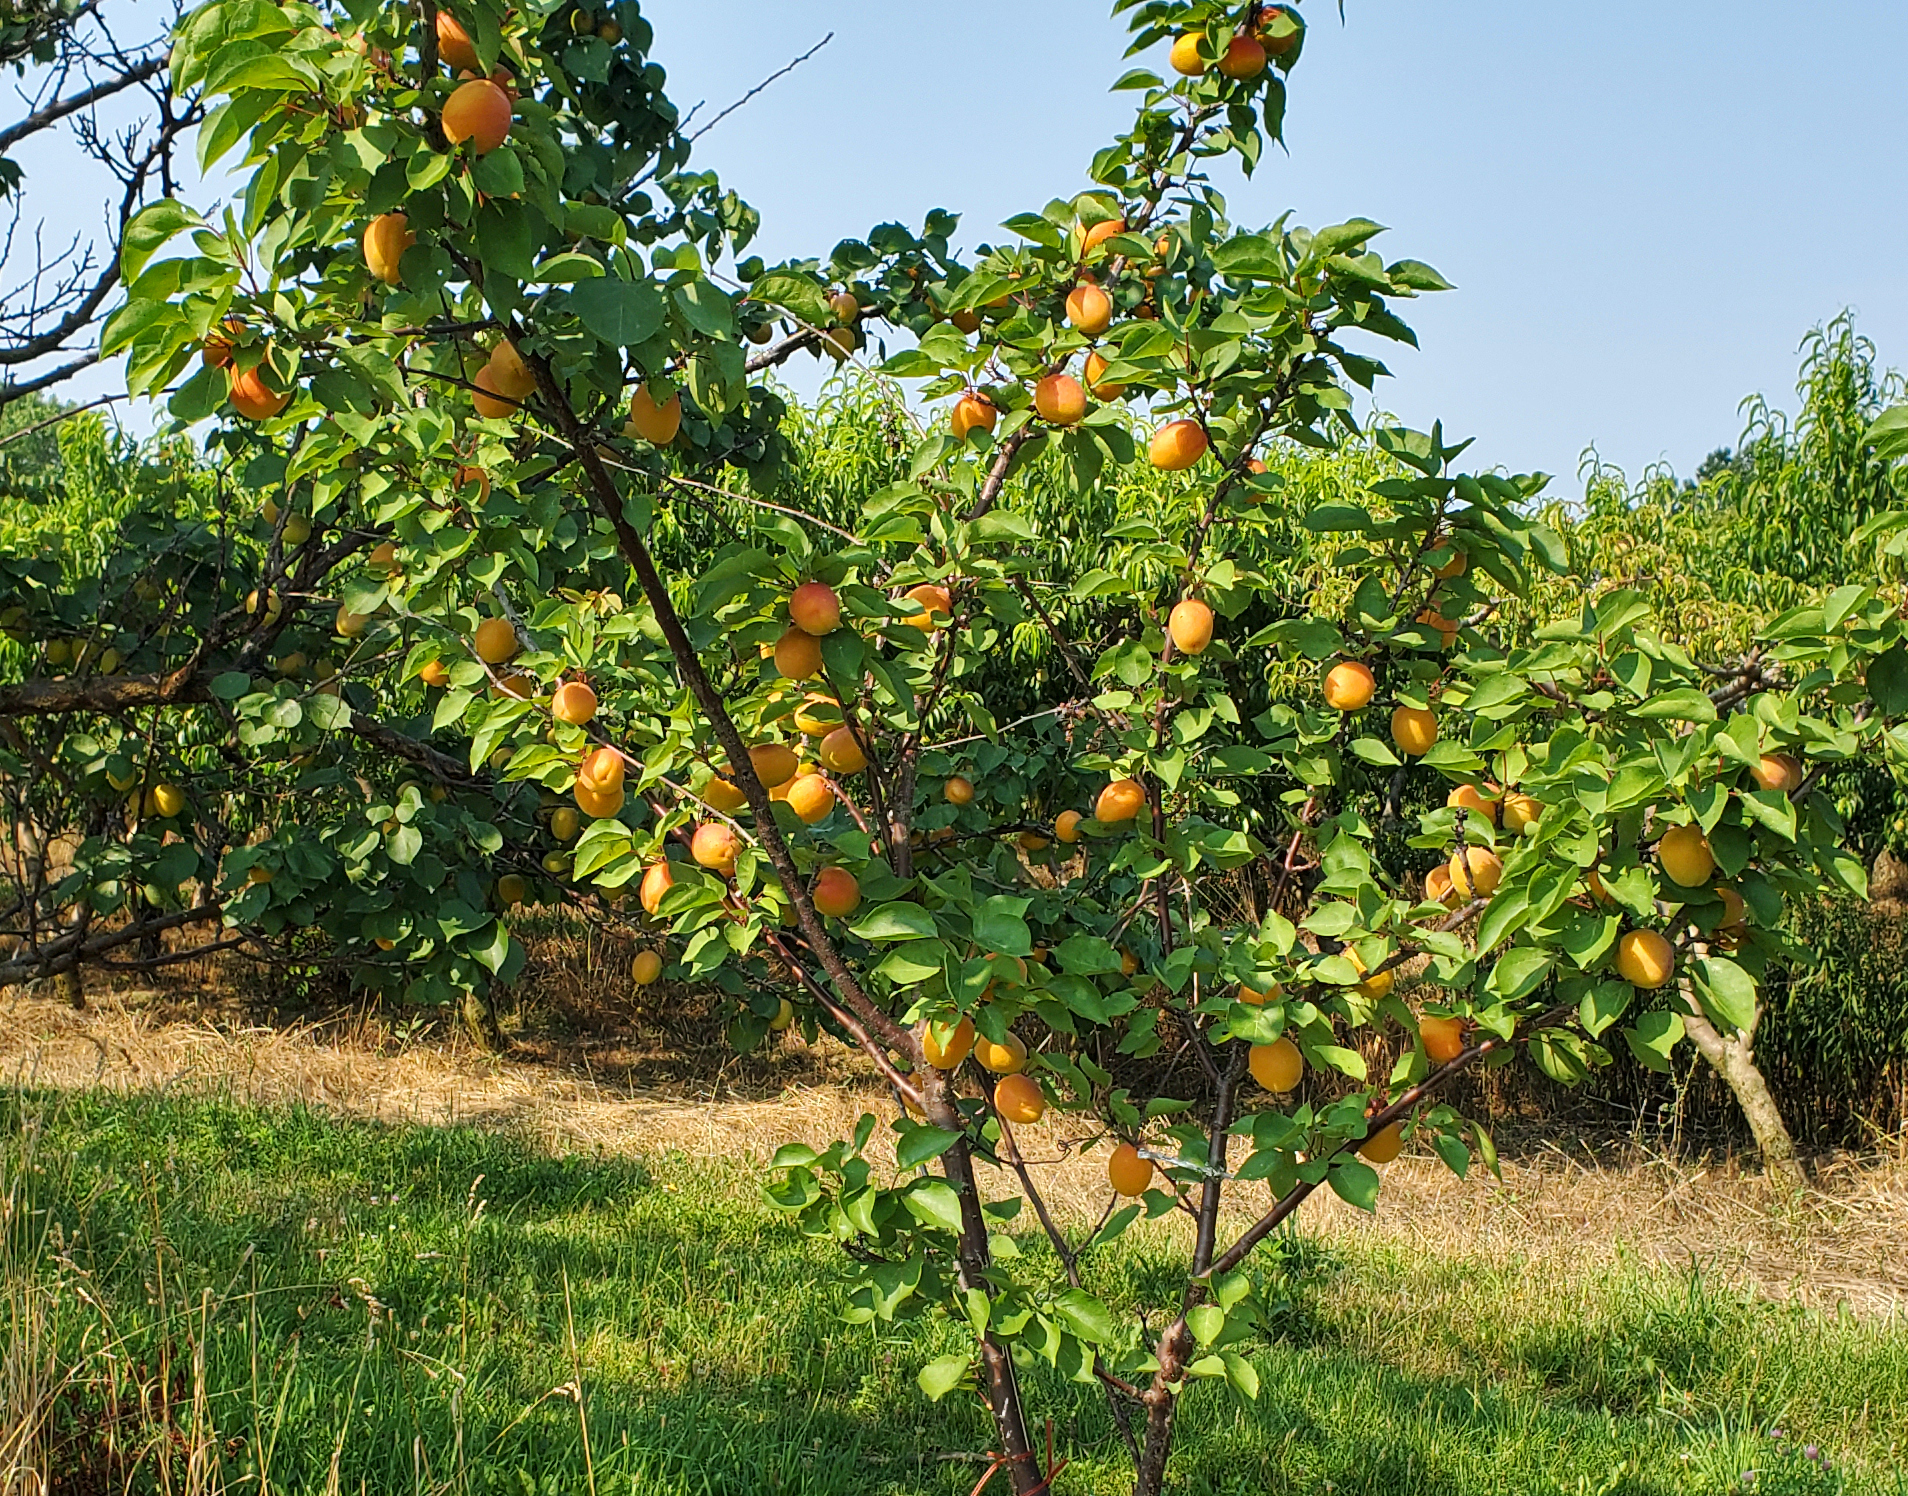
<point x="814" y="608"/>
<point x="1470" y="797"/>
<point x="1185" y="56"/>
<point x="1278" y="39"/>
<point x="1120" y="801"/>
<point x="1061" y="399"/>
<point x="477" y="111"/>
<point x="658" y="879"/>
<point x="645" y="968"/>
<point x="1475" y="872"/>
<point x="973" y="412"/>
<point x="818" y="715"/>
<point x="720" y="794"/>
<point x="348" y="624"/>
<point x="944" y="1047"/>
<point x="216" y="351"/>
<point x="1778" y="771"/>
<point x="798" y="655"/>
<point x="491" y="403"/>
<point x="1190" y="626"/>
<point x="835" y="893"/>
<point x="599" y="805"/>
<point x="254" y="399"/>
<point x="511" y="889"/>
<point x="434" y="673"/>
<point x="1437" y="886"/>
<point x="384" y="558"/>
<point x="565" y="823"/>
<point x="1066" y="826"/>
<point x="1127" y="1172"/>
<point x="1443" y="1038"/>
<point x="1349" y="686"/>
<point x="655" y="424"/>
<point x="1177" y="446"/>
<point x="774" y="763"/>
<point x="936" y="603"/>
<point x="1008" y="1058"/>
<point x="1245" y="57"/>
<point x="845" y="308"/>
<point x="958" y="790"/>
<point x="496" y="641"/>
<point x="601" y="771"/>
<point x="1447" y="630"/>
<point x="1414" y="730"/>
<point x="841" y="753"/>
<point x="574" y="703"/>
<point x="1096" y="367"/>
<point x="1455" y="567"/>
<point x="469" y="476"/>
<point x="1683" y="854"/>
<point x="1644" y="958"/>
<point x="386" y="238"/>
<point x="1089" y="309"/>
<point x="1033" y="841"/>
<point x="1252" y="997"/>
<point x="1276" y="1066"/>
<point x="513" y="377"/>
<point x="1097" y="235"/>
<point x="716" y="847"/>
<point x="966" y="320"/>
<point x="1018" y="1098"/>
<point x="1384" y="1145"/>
<point x="1734" y="910"/>
<point x="1373" y="987"/>
<point x="1520" y="811"/>
<point x="454" y="45"/>
<point x="809" y="796"/>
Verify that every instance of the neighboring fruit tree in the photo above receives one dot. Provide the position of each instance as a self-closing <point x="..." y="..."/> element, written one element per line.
<point x="466" y="336"/>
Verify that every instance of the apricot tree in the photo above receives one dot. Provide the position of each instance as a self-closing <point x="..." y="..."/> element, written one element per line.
<point x="484" y="346"/>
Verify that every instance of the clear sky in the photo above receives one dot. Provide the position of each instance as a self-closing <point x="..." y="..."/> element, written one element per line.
<point x="1644" y="207"/>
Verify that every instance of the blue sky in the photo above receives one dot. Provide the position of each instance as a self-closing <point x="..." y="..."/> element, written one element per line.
<point x="1644" y="207"/>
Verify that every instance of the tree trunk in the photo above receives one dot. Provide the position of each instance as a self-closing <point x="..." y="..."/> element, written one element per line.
<point x="480" y="1022"/>
<point x="1734" y="1060"/>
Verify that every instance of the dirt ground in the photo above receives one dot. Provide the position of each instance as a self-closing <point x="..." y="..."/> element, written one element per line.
<point x="632" y="1085"/>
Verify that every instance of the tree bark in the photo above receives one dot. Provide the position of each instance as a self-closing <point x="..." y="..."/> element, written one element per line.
<point x="1732" y="1056"/>
<point x="480" y="1022"/>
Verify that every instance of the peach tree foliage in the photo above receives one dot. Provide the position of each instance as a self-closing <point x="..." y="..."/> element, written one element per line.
<point x="491" y="417"/>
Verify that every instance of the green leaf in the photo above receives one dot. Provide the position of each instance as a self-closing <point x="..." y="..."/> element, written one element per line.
<point x="1354" y="1181"/>
<point x="1206" y="1322"/>
<point x="934" y="1203"/>
<point x="622" y="313"/>
<point x="1086" y="1316"/>
<point x="943" y="1374"/>
<point x="896" y="921"/>
<point x="149" y="230"/>
<point x="1686" y="705"/>
<point x="1727" y="992"/>
<point x="921" y="1143"/>
<point x="1653" y="1036"/>
<point x="1239" y="1372"/>
<point x="793" y="1156"/>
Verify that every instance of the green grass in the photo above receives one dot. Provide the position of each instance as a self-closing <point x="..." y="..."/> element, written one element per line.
<point x="278" y="1290"/>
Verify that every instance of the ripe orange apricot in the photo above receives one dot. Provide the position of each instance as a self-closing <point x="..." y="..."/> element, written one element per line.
<point x="774" y="763"/>
<point x="810" y="797"/>
<point x="798" y="655"/>
<point x="1096" y="368"/>
<point x="1245" y="57"/>
<point x="601" y="771"/>
<point x="1443" y="1038"/>
<point x="1094" y="237"/>
<point x="478" y="111"/>
<point x="841" y="753"/>
<point x="1089" y="309"/>
<point x="467" y="477"/>
<point x="1384" y="1145"/>
<point x="973" y="412"/>
<point x="1009" y="1058"/>
<point x="254" y="399"/>
<point x="1373" y="987"/>
<point x="719" y="794"/>
<point x="1644" y="958"/>
<point x="1276" y="1066"/>
<point x="496" y="641"/>
<point x="716" y="847"/>
<point x="509" y="373"/>
<point x="657" y="881"/>
<point x="1190" y="626"/>
<point x="598" y="805"/>
<point x="1349" y="686"/>
<point x="1778" y="771"/>
<point x="386" y="238"/>
<point x="1470" y="797"/>
<point x="1437" y="886"/>
<point x="836" y="893"/>
<point x="1066" y="826"/>
<point x="454" y="45"/>
<point x="1683" y="854"/>
<point x="1185" y="55"/>
<point x="1061" y="399"/>
<point x="434" y="673"/>
<point x="1278" y="38"/>
<point x="814" y="608"/>
<point x="959" y="790"/>
<point x="490" y="401"/>
<point x="944" y="1046"/>
<point x="574" y="703"/>
<point x="1734" y="910"/>
<point x="1177" y="446"/>
<point x="655" y="424"/>
<point x="1120" y="801"/>
<point x="818" y="715"/>
<point x="1475" y="872"/>
<point x="1018" y="1098"/>
<point x="1520" y="810"/>
<point x="1127" y="1172"/>
<point x="1252" y="997"/>
<point x="1455" y="567"/>
<point x="937" y="605"/>
<point x="1414" y="730"/>
<point x="216" y="351"/>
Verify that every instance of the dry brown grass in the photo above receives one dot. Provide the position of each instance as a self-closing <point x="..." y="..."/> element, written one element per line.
<point x="625" y="1089"/>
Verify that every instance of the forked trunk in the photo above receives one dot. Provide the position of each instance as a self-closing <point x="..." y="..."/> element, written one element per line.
<point x="1733" y="1058"/>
